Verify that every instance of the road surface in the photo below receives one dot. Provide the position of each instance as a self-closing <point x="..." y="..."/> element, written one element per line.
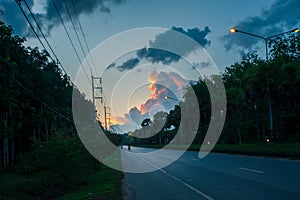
<point x="217" y="176"/>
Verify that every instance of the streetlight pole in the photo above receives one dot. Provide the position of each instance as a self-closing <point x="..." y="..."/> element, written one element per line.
<point x="266" y="39"/>
<point x="167" y="97"/>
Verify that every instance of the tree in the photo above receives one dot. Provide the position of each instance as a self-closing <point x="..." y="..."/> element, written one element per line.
<point x="145" y="131"/>
<point x="146" y="122"/>
<point x="35" y="94"/>
<point x="158" y="125"/>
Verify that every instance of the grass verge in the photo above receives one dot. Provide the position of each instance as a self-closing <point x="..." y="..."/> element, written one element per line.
<point x="105" y="184"/>
<point x="285" y="150"/>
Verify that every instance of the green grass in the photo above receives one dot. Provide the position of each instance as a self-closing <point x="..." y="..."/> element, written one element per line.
<point x="47" y="173"/>
<point x="105" y="184"/>
<point x="285" y="150"/>
<point x="14" y="186"/>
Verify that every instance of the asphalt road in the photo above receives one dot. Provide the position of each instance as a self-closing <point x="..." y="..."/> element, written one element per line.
<point x="217" y="176"/>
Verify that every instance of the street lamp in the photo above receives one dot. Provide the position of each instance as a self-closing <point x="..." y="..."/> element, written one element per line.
<point x="266" y="39"/>
<point x="167" y="97"/>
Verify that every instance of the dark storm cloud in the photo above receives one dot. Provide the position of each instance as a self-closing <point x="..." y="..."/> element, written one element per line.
<point x="13" y="16"/>
<point x="162" y="48"/>
<point x="111" y="66"/>
<point x="158" y="55"/>
<point x="283" y="15"/>
<point x="172" y="41"/>
<point x="196" y="34"/>
<point x="129" y="64"/>
<point x="1" y="11"/>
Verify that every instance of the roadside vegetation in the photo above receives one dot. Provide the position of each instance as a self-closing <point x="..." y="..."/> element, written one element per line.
<point x="41" y="155"/>
<point x="274" y="150"/>
<point x="60" y="169"/>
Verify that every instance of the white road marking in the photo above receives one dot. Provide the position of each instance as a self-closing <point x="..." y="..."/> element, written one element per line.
<point x="251" y="170"/>
<point x="195" y="159"/>
<point x="180" y="181"/>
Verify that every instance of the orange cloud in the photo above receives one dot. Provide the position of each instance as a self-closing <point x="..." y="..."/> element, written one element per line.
<point x="162" y="84"/>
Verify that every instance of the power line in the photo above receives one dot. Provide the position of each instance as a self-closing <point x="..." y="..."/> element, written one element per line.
<point x="88" y="48"/>
<point x="76" y="33"/>
<point x="38" y="26"/>
<point x="45" y="104"/>
<point x="37" y="36"/>
<point x="83" y="35"/>
<point x="38" y="99"/>
<point x="28" y="92"/>
<point x="19" y="4"/>
<point x="57" y="60"/>
<point x="86" y="44"/>
<point x="73" y="46"/>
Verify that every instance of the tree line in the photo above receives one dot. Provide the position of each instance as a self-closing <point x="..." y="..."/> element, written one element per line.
<point x="40" y="150"/>
<point x="35" y="97"/>
<point x="36" y="100"/>
<point x="263" y="100"/>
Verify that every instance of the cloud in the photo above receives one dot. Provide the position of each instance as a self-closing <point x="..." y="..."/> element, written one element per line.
<point x="111" y="66"/>
<point x="281" y="16"/>
<point x="196" y="34"/>
<point x="11" y="15"/>
<point x="2" y="9"/>
<point x="162" y="84"/>
<point x="201" y="65"/>
<point x="157" y="55"/>
<point x="49" y="19"/>
<point x="172" y="41"/>
<point x="130" y="121"/>
<point x="129" y="64"/>
<point x="134" y="115"/>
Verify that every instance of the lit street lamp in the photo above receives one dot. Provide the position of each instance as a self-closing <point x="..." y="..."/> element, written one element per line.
<point x="167" y="97"/>
<point x="234" y="30"/>
<point x="266" y="39"/>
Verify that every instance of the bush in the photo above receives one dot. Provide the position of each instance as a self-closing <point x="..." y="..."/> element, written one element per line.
<point x="62" y="162"/>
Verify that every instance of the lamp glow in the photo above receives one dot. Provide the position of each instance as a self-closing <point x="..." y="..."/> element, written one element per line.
<point x="233" y="30"/>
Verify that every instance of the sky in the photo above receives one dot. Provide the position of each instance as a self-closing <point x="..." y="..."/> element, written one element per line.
<point x="207" y="22"/>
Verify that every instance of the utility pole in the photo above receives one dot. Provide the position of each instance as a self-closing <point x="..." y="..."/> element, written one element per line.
<point x="109" y="122"/>
<point x="106" y="117"/>
<point x="96" y="87"/>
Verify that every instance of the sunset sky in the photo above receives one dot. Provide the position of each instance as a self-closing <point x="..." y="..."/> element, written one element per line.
<point x="207" y="22"/>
